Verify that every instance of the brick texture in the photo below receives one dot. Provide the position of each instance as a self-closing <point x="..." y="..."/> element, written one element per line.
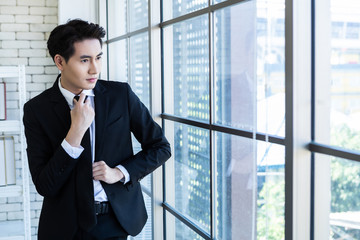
<point x="24" y="29"/>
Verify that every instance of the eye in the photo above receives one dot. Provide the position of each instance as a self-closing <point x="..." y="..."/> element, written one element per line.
<point x="98" y="57"/>
<point x="84" y="60"/>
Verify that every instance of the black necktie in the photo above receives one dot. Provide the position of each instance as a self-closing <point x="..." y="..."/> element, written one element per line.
<point x="77" y="98"/>
<point x="84" y="186"/>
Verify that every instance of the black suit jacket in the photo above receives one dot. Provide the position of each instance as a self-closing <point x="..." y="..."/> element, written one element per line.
<point x="118" y="112"/>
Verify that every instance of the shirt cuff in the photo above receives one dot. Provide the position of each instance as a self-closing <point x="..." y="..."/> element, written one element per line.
<point x="73" y="152"/>
<point x="126" y="178"/>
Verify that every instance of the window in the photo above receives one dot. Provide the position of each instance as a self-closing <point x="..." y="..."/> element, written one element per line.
<point x="220" y="179"/>
<point x="127" y="52"/>
<point x="336" y="136"/>
<point x="236" y="104"/>
<point x="228" y="147"/>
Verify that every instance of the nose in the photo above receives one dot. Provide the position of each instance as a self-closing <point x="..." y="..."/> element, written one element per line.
<point x="95" y="67"/>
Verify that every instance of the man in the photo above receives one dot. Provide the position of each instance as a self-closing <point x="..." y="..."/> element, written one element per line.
<point x="80" y="152"/>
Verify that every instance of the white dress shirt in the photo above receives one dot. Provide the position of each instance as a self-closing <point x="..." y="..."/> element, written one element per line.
<point x="74" y="152"/>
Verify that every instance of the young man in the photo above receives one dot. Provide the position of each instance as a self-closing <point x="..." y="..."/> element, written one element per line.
<point x="80" y="152"/>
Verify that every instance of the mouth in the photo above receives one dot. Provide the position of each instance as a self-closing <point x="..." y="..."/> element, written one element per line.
<point x="92" y="80"/>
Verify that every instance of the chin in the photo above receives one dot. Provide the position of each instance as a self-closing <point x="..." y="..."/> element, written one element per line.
<point x="90" y="86"/>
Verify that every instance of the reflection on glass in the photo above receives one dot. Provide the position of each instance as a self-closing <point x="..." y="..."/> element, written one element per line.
<point x="235" y="61"/>
<point x="177" y="230"/>
<point x="345" y="71"/>
<point x="186" y="68"/>
<point x="345" y="205"/>
<point x="117" y="18"/>
<point x="236" y="180"/>
<point x="270" y="50"/>
<point x="138" y="14"/>
<point x="118" y="61"/>
<point x="244" y="198"/>
<point x="139" y="67"/>
<point x="175" y="8"/>
<point x="188" y="173"/>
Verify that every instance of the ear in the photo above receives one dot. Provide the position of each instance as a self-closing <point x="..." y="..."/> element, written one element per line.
<point x="59" y="61"/>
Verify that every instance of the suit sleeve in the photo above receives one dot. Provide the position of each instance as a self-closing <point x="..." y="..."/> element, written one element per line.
<point x="155" y="148"/>
<point x="49" y="168"/>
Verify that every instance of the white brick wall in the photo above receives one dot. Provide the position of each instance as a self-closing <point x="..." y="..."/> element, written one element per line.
<point x="24" y="29"/>
<point x="29" y="19"/>
<point x="7" y="35"/>
<point x="16" y="27"/>
<point x="7" y="18"/>
<point x="8" y="2"/>
<point x="13" y="9"/>
<point x="31" y="2"/>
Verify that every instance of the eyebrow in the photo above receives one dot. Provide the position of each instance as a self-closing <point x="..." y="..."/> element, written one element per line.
<point x="87" y="56"/>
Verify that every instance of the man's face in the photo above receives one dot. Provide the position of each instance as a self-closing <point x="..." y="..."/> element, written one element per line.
<point x="83" y="68"/>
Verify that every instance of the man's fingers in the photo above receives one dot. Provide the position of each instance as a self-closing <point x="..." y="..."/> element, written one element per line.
<point x="99" y="164"/>
<point x="99" y="168"/>
<point x="102" y="172"/>
<point x="82" y="97"/>
<point x="99" y="174"/>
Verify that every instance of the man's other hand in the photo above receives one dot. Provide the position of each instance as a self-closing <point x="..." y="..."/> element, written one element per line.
<point x="102" y="172"/>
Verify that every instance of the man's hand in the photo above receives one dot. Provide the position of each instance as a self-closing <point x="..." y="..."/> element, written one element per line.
<point x="82" y="116"/>
<point x="102" y="172"/>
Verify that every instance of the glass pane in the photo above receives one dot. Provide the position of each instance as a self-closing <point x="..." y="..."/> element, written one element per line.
<point x="344" y="108"/>
<point x="270" y="69"/>
<point x="138" y="14"/>
<point x="188" y="172"/>
<point x="186" y="68"/>
<point x="146" y="181"/>
<point x="345" y="204"/>
<point x="118" y="61"/>
<point x="116" y="18"/>
<point x="340" y="205"/>
<point x="177" y="230"/>
<point x="139" y="67"/>
<point x="104" y="67"/>
<point x="219" y="1"/>
<point x="235" y="62"/>
<point x="270" y="191"/>
<point x="249" y="191"/>
<point x="175" y="8"/>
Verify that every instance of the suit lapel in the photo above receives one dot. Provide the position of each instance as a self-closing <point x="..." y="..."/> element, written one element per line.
<point x="101" y="113"/>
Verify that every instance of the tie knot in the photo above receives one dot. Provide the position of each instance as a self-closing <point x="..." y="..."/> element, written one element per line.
<point x="77" y="98"/>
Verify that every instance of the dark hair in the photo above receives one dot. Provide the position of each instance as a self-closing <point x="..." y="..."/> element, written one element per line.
<point x="63" y="37"/>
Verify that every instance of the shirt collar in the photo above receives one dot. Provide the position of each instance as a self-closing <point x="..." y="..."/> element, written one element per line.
<point x="69" y="96"/>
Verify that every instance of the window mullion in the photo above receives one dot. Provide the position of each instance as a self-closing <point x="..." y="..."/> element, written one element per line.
<point x="298" y="118"/>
